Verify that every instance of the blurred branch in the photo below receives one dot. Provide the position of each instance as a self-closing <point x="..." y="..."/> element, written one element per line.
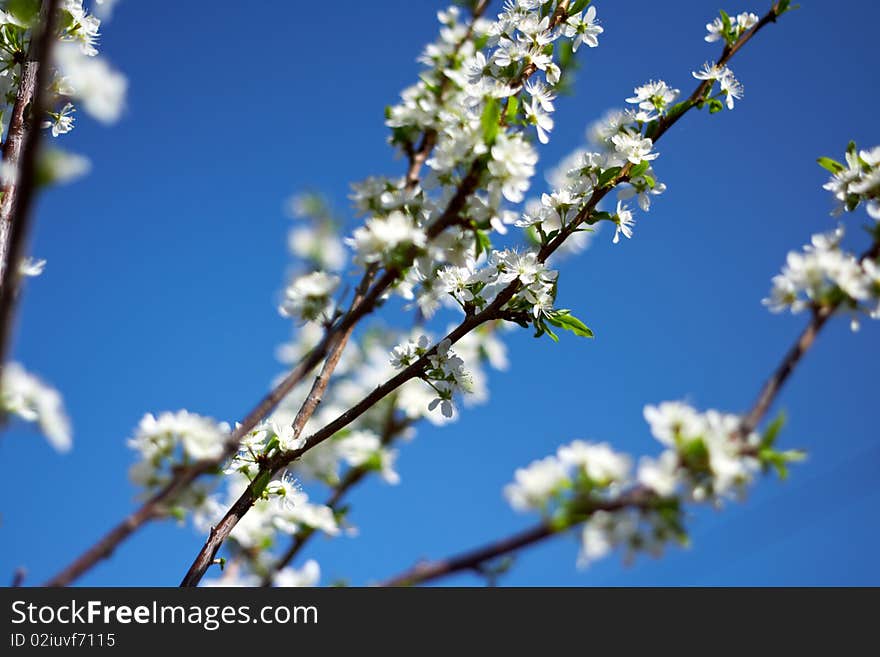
<point x="18" y="577"/>
<point x="20" y="164"/>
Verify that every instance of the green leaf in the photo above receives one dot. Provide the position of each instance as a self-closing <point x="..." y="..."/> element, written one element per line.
<point x="771" y="433"/>
<point x="481" y="243"/>
<point x="607" y="176"/>
<point x="25" y="11"/>
<point x="639" y="169"/>
<point x="580" y="5"/>
<point x="541" y="329"/>
<point x="66" y="21"/>
<point x="489" y="120"/>
<point x="512" y="109"/>
<point x="272" y="444"/>
<point x="374" y="462"/>
<point x="794" y="455"/>
<point x="715" y="106"/>
<point x="779" y="460"/>
<point x="565" y="55"/>
<point x="830" y="165"/>
<point x="532" y="235"/>
<point x="695" y="454"/>
<point x="565" y="320"/>
<point x="725" y="19"/>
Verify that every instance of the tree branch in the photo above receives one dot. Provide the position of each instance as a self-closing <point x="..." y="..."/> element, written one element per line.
<point x="20" y="155"/>
<point x="491" y="312"/>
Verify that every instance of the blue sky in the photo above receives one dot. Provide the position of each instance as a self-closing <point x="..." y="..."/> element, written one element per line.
<point x="165" y="264"/>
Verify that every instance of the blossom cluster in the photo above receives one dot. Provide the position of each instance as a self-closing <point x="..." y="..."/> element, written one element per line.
<point x="262" y="442"/>
<point x="174" y="440"/>
<point x="310" y="297"/>
<point x="618" y="141"/>
<point x="283" y="510"/>
<point x="314" y="240"/>
<point x="486" y="86"/>
<point x="622" y="138"/>
<point x="445" y="372"/>
<point x="169" y="441"/>
<point x="707" y="457"/>
<point x="287" y="577"/>
<point x="730" y="28"/>
<point x="80" y="75"/>
<point x="857" y="182"/>
<point x="823" y="273"/>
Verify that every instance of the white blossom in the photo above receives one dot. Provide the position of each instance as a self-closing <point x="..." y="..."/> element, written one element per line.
<point x="634" y="148"/>
<point x="309" y="296"/>
<point x="31" y="267"/>
<point x="598" y="461"/>
<point x="582" y="27"/>
<point x="661" y="474"/>
<point x="813" y="277"/>
<point x="672" y="421"/>
<point x="91" y="80"/>
<point x="62" y="121"/>
<point x="533" y="486"/>
<point x="308" y="575"/>
<point x="654" y="96"/>
<point x="381" y="236"/>
<point x="624" y="222"/>
<point x="513" y="165"/>
<point x="200" y="437"/>
<point x="29" y="398"/>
